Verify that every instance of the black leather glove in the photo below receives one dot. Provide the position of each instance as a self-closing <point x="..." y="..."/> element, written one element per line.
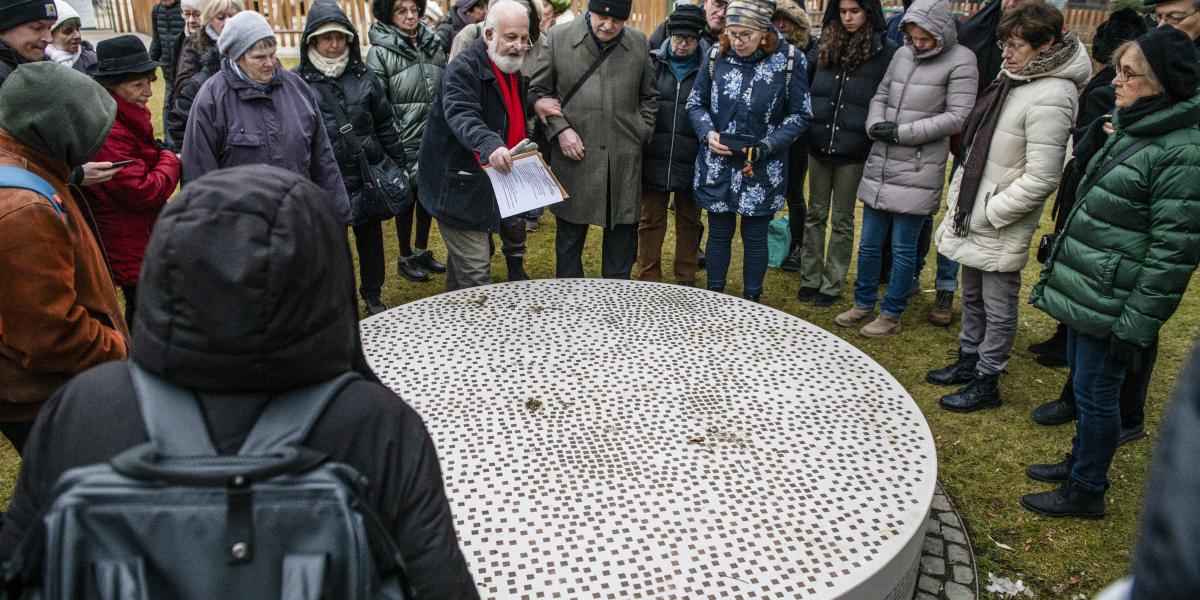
<point x="759" y="152"/>
<point x="1125" y="353"/>
<point x="885" y="131"/>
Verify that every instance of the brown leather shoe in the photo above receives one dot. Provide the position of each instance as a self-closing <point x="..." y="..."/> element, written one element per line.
<point x="941" y="314"/>
<point x="852" y="316"/>
<point x="882" y="326"/>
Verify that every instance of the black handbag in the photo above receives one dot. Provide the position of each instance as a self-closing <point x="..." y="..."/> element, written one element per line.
<point x="385" y="187"/>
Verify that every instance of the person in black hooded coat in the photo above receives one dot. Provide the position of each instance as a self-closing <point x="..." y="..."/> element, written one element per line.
<point x="183" y="97"/>
<point x="364" y="101"/>
<point x="237" y="333"/>
<point x="844" y="69"/>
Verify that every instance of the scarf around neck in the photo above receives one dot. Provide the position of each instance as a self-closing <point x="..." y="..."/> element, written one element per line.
<point x="1142" y="108"/>
<point x="329" y="67"/>
<point x="262" y="87"/>
<point x="981" y="124"/>
<point x="63" y="58"/>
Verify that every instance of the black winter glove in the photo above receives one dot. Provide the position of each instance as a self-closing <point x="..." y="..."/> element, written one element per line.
<point x="1125" y="353"/>
<point x="885" y="131"/>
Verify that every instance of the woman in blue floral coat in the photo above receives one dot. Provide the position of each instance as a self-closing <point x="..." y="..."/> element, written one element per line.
<point x="749" y="103"/>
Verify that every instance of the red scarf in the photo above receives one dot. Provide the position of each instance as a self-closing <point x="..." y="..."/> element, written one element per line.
<point x="511" y="95"/>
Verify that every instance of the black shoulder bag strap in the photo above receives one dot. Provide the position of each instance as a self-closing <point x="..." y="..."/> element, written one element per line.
<point x="1087" y="185"/>
<point x="345" y="129"/>
<point x="595" y="66"/>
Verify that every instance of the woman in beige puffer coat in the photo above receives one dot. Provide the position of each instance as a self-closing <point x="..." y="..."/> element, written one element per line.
<point x="1017" y="136"/>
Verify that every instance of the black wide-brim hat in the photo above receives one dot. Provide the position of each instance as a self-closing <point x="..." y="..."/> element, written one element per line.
<point x="122" y="55"/>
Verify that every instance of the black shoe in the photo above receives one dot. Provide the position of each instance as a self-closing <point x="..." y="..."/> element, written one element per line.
<point x="961" y="371"/>
<point x="792" y="262"/>
<point x="409" y="269"/>
<point x="753" y="298"/>
<point x="516" y="269"/>
<point x="374" y="306"/>
<point x="983" y="392"/>
<point x="1057" y="472"/>
<point x="1055" y="360"/>
<point x="1069" y="500"/>
<point x="425" y="260"/>
<point x="1132" y="434"/>
<point x="1055" y="345"/>
<point x="719" y="290"/>
<point x="701" y="262"/>
<point x="1055" y="412"/>
<point x="824" y="300"/>
<point x="807" y="294"/>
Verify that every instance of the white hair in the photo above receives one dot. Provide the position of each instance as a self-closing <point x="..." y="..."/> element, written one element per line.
<point x="499" y="8"/>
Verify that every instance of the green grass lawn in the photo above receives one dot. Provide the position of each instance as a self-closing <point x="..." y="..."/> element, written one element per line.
<point x="981" y="456"/>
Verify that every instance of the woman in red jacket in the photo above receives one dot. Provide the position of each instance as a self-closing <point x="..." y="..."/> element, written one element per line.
<point x="126" y="207"/>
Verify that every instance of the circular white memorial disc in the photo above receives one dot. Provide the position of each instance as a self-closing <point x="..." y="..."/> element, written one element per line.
<point x="632" y="440"/>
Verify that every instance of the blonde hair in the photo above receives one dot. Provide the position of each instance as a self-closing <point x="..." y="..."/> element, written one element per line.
<point x="210" y="8"/>
<point x="1138" y="58"/>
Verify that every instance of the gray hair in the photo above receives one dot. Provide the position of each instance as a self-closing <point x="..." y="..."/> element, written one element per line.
<point x="498" y="8"/>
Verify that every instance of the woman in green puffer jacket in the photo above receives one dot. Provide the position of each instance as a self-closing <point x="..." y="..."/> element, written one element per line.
<point x="1125" y="255"/>
<point x="410" y="60"/>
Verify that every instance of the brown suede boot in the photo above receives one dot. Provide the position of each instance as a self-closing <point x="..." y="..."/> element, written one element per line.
<point x="882" y="326"/>
<point x="941" y="314"/>
<point x="852" y="316"/>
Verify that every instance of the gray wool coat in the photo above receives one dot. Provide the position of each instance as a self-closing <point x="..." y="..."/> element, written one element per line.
<point x="930" y="96"/>
<point x="613" y="113"/>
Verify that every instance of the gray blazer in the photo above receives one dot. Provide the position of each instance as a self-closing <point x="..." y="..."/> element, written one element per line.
<point x="930" y="96"/>
<point x="613" y="113"/>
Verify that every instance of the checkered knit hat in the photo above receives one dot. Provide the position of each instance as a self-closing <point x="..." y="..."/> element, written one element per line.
<point x="751" y="14"/>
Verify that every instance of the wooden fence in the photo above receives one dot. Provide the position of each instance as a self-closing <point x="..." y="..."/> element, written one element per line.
<point x="287" y="16"/>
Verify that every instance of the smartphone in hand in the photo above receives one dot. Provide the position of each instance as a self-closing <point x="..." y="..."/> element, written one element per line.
<point x="121" y="163"/>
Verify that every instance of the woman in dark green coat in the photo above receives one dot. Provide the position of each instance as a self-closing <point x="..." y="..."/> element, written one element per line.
<point x="1125" y="255"/>
<point x="409" y="59"/>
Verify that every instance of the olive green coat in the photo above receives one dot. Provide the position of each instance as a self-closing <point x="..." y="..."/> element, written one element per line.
<point x="613" y="113"/>
<point x="1129" y="246"/>
<point x="412" y="74"/>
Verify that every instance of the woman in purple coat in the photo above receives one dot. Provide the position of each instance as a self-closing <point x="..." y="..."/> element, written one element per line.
<point x="255" y="112"/>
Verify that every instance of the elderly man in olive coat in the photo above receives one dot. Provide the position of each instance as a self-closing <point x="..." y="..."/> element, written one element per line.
<point x="596" y="146"/>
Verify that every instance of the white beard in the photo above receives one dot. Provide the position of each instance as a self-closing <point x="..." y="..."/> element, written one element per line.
<point x="508" y="64"/>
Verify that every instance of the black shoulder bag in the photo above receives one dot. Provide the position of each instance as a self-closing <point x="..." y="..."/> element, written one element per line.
<point x="1047" y="242"/>
<point x="385" y="188"/>
<point x="542" y="139"/>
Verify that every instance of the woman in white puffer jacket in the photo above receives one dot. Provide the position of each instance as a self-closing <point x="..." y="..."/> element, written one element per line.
<point x="1016" y="142"/>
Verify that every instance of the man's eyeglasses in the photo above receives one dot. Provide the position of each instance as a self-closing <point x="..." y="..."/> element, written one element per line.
<point x="720" y="3"/>
<point x="1174" y="18"/>
<point x="517" y="42"/>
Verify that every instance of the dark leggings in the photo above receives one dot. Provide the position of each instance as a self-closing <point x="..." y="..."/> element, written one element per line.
<point x="404" y="226"/>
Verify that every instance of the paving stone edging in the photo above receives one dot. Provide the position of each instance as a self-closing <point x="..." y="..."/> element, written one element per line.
<point x="947" y="559"/>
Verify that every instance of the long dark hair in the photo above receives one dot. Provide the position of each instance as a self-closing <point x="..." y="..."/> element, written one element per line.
<point x="841" y="49"/>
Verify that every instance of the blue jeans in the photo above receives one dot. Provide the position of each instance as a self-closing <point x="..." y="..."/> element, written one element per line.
<point x="905" y="231"/>
<point x="1096" y="379"/>
<point x="754" y="251"/>
<point x="947" y="270"/>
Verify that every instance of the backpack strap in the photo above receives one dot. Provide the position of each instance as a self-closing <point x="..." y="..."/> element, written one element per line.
<point x="172" y="416"/>
<point x="16" y="177"/>
<point x="290" y="416"/>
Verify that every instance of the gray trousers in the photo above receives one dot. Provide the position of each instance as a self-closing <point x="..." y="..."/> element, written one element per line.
<point x="989" y="316"/>
<point x="468" y="257"/>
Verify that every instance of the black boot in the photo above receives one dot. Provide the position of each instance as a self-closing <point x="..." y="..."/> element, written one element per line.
<point x="516" y="268"/>
<point x="719" y="290"/>
<point x="1052" y="473"/>
<point x="374" y="306"/>
<point x="792" y="262"/>
<point x="408" y="269"/>
<point x="1069" y="500"/>
<point x="1131" y="434"/>
<point x="807" y="294"/>
<point x="1056" y="344"/>
<point x="701" y="262"/>
<point x="753" y="298"/>
<point x="983" y="392"/>
<point x="1054" y="360"/>
<point x="425" y="260"/>
<point x="962" y="371"/>
<point x="1057" y="412"/>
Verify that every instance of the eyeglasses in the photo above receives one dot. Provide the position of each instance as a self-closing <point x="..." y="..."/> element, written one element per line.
<point x="1014" y="46"/>
<point x="742" y="37"/>
<point x="720" y="3"/>
<point x="683" y="40"/>
<point x="520" y="42"/>
<point x="1171" y="18"/>
<point x="407" y="11"/>
<point x="1124" y="75"/>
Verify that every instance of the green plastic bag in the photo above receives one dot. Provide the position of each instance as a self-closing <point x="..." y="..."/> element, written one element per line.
<point x="779" y="241"/>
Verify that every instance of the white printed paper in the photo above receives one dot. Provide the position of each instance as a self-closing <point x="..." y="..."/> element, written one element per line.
<point x="529" y="185"/>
